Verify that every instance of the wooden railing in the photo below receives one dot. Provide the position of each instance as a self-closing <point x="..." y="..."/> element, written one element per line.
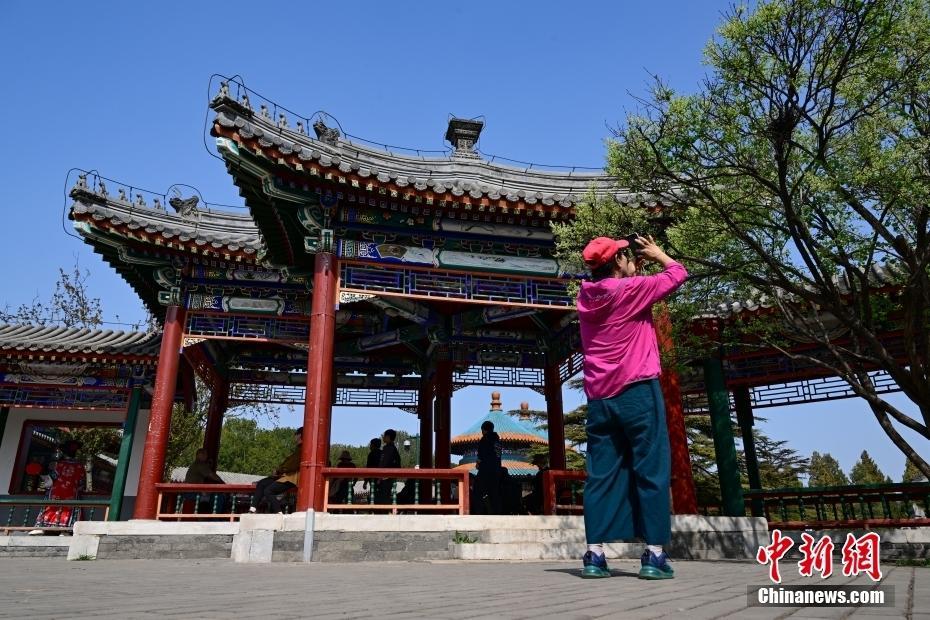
<point x="22" y="512"/>
<point x="563" y="491"/>
<point x="431" y="490"/>
<point x="861" y="506"/>
<point x="202" y="502"/>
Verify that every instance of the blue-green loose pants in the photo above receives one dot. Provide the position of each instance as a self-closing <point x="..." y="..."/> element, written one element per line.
<point x="626" y="494"/>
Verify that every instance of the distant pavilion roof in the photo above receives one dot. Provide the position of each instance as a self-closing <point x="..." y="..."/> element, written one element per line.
<point x="511" y="430"/>
<point x="31" y="340"/>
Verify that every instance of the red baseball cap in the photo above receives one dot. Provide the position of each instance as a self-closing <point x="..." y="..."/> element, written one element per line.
<point x="602" y="249"/>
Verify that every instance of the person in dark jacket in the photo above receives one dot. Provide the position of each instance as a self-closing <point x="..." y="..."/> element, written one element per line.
<point x="390" y="459"/>
<point x="373" y="460"/>
<point x="374" y="453"/>
<point x="489" y="468"/>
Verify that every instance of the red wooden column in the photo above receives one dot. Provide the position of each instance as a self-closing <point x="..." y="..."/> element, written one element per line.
<point x="684" y="497"/>
<point x="425" y="413"/>
<point x="318" y="405"/>
<point x="555" y="417"/>
<point x="443" y="424"/>
<point x="219" y="402"/>
<point x="156" y="439"/>
<point x="443" y="414"/>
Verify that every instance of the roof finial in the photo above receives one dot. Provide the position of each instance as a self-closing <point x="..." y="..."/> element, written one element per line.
<point x="463" y="134"/>
<point x="525" y="411"/>
<point x="495" y="401"/>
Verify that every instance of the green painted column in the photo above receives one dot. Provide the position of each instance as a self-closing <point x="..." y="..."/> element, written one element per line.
<point x="744" y="417"/>
<point x="125" y="451"/>
<point x="718" y="400"/>
<point x="4" y="415"/>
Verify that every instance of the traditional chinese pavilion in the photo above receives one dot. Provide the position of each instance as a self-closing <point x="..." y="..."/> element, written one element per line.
<point x="517" y="435"/>
<point x="359" y="275"/>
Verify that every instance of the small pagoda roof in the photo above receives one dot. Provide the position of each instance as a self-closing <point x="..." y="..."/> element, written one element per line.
<point x="508" y="428"/>
<point x="32" y="340"/>
<point x="514" y="468"/>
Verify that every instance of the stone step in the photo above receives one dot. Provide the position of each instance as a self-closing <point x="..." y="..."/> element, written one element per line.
<point x="540" y="551"/>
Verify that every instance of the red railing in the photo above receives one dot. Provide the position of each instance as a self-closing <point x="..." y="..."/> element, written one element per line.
<point x="563" y="491"/>
<point x="432" y="494"/>
<point x="21" y="512"/>
<point x="191" y="502"/>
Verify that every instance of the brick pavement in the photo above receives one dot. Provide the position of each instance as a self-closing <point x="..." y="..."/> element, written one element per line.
<point x="53" y="588"/>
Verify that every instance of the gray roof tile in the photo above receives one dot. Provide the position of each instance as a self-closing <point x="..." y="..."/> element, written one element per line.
<point x="74" y="340"/>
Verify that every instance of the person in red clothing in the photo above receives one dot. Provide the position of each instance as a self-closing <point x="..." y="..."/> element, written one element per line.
<point x="68" y="480"/>
<point x="627" y="488"/>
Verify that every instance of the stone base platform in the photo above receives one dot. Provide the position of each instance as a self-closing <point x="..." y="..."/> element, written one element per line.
<point x="322" y="537"/>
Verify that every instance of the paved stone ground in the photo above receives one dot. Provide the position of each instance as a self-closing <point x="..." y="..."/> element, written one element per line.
<point x="53" y="588"/>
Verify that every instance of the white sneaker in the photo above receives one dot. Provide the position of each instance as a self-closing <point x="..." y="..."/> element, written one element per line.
<point x="252" y="510"/>
<point x="36" y="532"/>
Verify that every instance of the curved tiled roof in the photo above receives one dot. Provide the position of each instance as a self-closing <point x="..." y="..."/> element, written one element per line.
<point x="458" y="176"/>
<point x="204" y="231"/>
<point x="30" y="339"/>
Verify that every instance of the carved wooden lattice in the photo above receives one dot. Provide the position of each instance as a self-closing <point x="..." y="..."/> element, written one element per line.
<point x="571" y="367"/>
<point x="52" y="397"/>
<point x="439" y="284"/>
<point x="796" y="392"/>
<point x="259" y="328"/>
<point x="499" y="376"/>
<point x="294" y="395"/>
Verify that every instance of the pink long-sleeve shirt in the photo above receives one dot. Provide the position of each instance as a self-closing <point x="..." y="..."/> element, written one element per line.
<point x="617" y="334"/>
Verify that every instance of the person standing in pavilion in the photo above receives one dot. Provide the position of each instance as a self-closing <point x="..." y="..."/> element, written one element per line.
<point x="68" y="479"/>
<point x="628" y="460"/>
<point x="489" y="468"/>
<point x="373" y="461"/>
<point x="390" y="459"/>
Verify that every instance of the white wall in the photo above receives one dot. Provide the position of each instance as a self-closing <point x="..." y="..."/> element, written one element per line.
<point x="14" y="429"/>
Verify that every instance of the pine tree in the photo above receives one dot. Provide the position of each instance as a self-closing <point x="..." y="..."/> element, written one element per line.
<point x="825" y="471"/>
<point x="912" y="474"/>
<point x="866" y="471"/>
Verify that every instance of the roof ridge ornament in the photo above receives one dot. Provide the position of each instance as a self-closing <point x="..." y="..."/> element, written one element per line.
<point x="185" y="207"/>
<point x="463" y="134"/>
<point x="329" y="135"/>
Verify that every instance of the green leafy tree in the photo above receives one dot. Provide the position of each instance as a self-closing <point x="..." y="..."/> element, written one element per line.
<point x="912" y="474"/>
<point x="185" y="434"/>
<point x="798" y="176"/>
<point x="248" y="449"/>
<point x="866" y="471"/>
<point x="825" y="471"/>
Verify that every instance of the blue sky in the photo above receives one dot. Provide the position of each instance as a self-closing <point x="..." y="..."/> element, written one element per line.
<point x="122" y="88"/>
